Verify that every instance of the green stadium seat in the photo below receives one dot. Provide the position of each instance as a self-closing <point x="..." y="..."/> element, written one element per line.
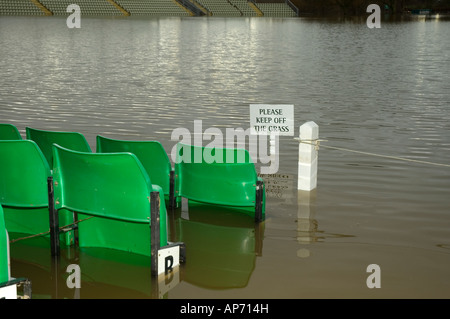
<point x="219" y="176"/>
<point x="112" y="195"/>
<point x="24" y="173"/>
<point x="45" y="139"/>
<point x="9" y="132"/>
<point x="6" y="280"/>
<point x="23" y="190"/>
<point x="151" y="154"/>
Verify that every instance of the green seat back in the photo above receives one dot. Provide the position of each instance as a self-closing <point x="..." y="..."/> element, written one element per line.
<point x="4" y="248"/>
<point x="150" y="153"/>
<point x="231" y="183"/>
<point x="23" y="174"/>
<point x="113" y="187"/>
<point x="9" y="132"/>
<point x="45" y="139"/>
<point x="23" y="188"/>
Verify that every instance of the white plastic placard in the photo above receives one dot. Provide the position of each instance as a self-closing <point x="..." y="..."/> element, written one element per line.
<point x="8" y="292"/>
<point x="269" y="119"/>
<point x="168" y="258"/>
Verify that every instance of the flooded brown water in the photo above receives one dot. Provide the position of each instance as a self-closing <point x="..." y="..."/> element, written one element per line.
<point x="383" y="91"/>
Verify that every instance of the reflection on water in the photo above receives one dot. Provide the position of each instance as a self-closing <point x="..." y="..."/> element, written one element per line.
<point x="221" y="246"/>
<point x="383" y="91"/>
<point x="306" y="222"/>
<point x="105" y="273"/>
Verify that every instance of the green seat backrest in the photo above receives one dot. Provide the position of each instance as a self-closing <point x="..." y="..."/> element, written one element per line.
<point x="223" y="183"/>
<point x="45" y="139"/>
<point x="9" y="132"/>
<point x="113" y="186"/>
<point x="23" y="174"/>
<point x="151" y="154"/>
<point x="4" y="248"/>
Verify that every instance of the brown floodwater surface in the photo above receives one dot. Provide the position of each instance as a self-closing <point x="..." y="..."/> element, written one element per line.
<point x="383" y="91"/>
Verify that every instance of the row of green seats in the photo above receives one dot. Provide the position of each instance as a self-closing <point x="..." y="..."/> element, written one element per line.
<point x="224" y="182"/>
<point x="114" y="187"/>
<point x="85" y="182"/>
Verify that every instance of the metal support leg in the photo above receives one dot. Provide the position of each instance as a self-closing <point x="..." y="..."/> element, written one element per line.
<point x="259" y="201"/>
<point x="27" y="290"/>
<point x="154" y="231"/>
<point x="172" y="201"/>
<point x="75" y="230"/>
<point x="53" y="219"/>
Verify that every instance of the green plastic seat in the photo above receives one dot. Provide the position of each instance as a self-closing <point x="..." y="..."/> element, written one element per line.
<point x="4" y="248"/>
<point x="6" y="280"/>
<point x="151" y="154"/>
<point x="115" y="190"/>
<point x="219" y="176"/>
<point x="23" y="186"/>
<point x="45" y="139"/>
<point x="24" y="174"/>
<point x="9" y="132"/>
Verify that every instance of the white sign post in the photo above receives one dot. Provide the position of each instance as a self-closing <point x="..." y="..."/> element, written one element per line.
<point x="308" y="156"/>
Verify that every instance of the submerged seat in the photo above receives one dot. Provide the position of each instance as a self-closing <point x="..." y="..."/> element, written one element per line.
<point x="24" y="174"/>
<point x="113" y="198"/>
<point x="9" y="132"/>
<point x="45" y="139"/>
<point x="151" y="154"/>
<point x="8" y="284"/>
<point x="23" y="187"/>
<point x="219" y="176"/>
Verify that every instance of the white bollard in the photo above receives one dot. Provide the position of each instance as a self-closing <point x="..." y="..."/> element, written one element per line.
<point x="272" y="144"/>
<point x="308" y="156"/>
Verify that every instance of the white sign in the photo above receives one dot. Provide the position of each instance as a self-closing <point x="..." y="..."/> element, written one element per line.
<point x="270" y="119"/>
<point x="168" y="258"/>
<point x="8" y="292"/>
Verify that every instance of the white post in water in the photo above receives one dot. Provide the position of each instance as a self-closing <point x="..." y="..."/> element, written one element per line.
<point x="308" y="156"/>
<point x="272" y="144"/>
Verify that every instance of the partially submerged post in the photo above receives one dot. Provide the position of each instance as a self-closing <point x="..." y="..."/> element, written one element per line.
<point x="308" y="156"/>
<point x="307" y="183"/>
<point x="53" y="220"/>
